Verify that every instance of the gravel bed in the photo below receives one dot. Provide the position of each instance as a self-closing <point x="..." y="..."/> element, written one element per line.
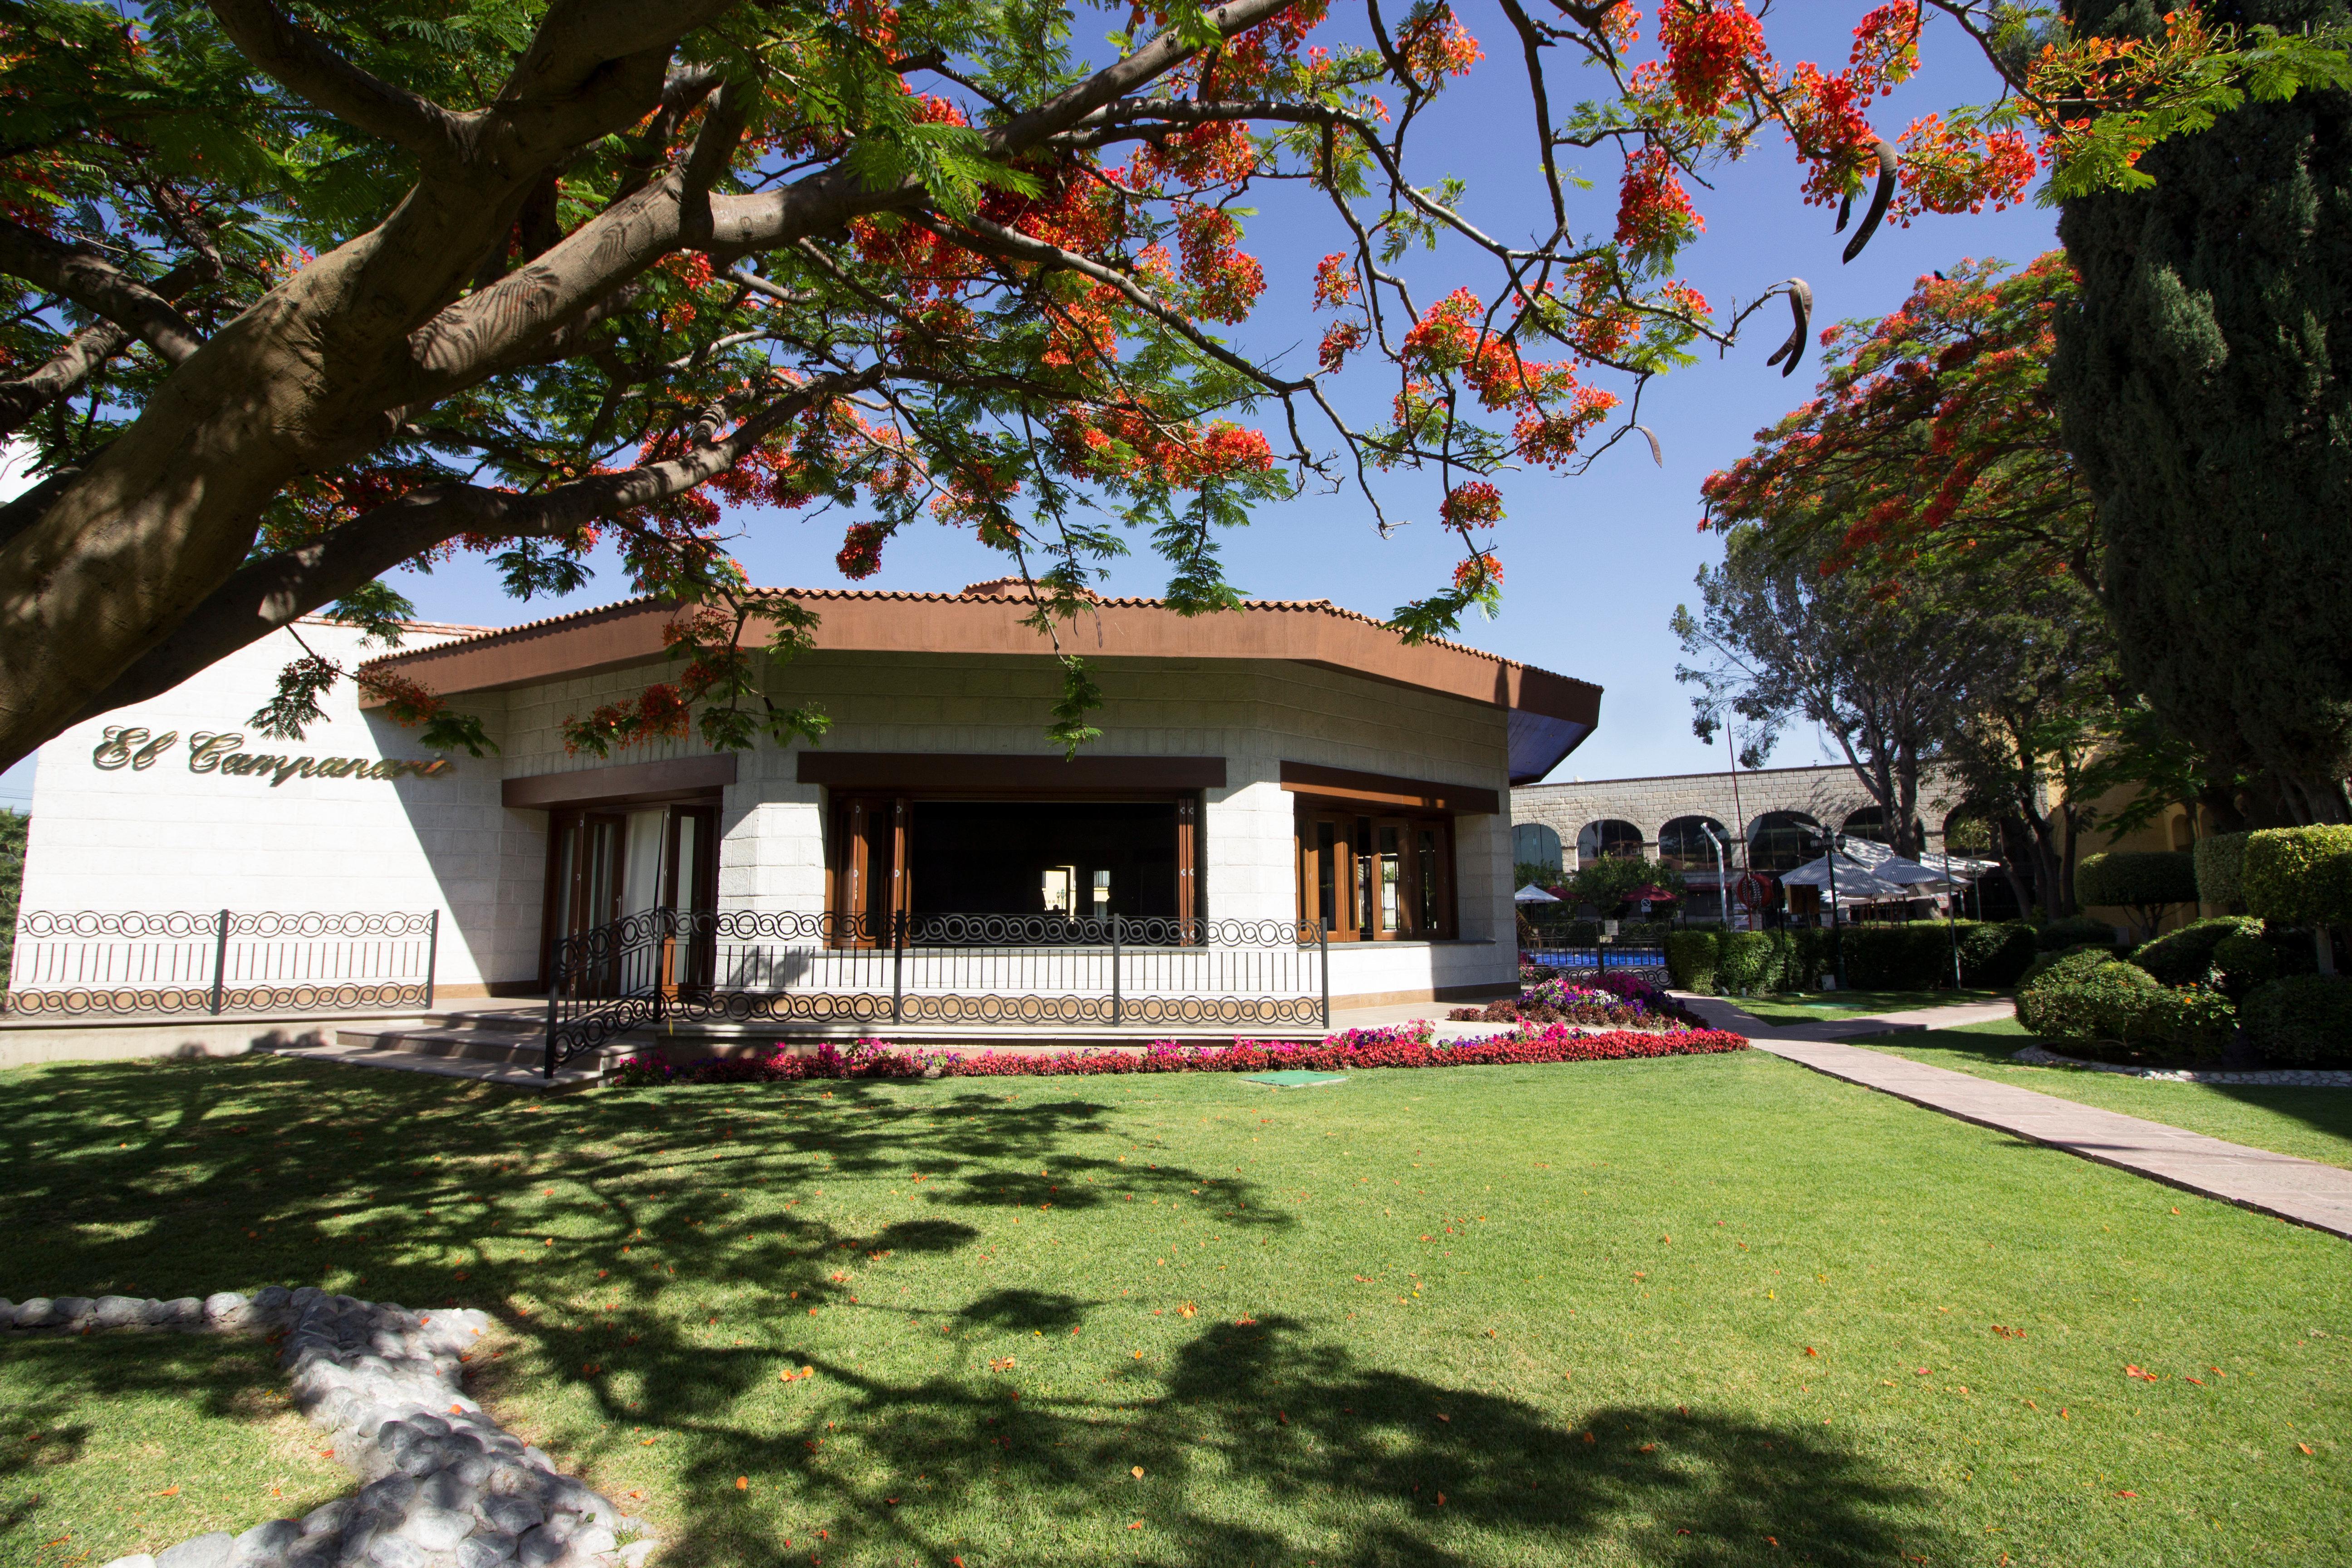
<point x="2283" y="1077"/>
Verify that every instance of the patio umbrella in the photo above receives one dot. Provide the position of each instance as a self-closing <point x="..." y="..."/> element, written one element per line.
<point x="1853" y="880"/>
<point x="1531" y="894"/>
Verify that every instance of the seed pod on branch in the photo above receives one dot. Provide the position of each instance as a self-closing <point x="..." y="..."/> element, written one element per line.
<point x="1878" y="201"/>
<point x="1800" y="307"/>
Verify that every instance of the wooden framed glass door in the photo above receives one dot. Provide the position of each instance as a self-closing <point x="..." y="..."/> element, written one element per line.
<point x="1376" y="879"/>
<point x="1332" y="887"/>
<point x="585" y="864"/>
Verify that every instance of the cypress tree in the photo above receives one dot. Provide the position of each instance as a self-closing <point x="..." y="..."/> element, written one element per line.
<point x="2205" y="381"/>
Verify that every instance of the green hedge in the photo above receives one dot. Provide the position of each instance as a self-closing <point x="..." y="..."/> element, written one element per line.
<point x="2116" y="1012"/>
<point x="2137" y="878"/>
<point x="2185" y="957"/>
<point x="1917" y="956"/>
<point x="2300" y="876"/>
<point x="2070" y="966"/>
<point x="1913" y="957"/>
<point x="2220" y="868"/>
<point x="1993" y="956"/>
<point x="2073" y="931"/>
<point x="2304" y="1020"/>
<point x="2245" y="960"/>
<point x="1690" y="961"/>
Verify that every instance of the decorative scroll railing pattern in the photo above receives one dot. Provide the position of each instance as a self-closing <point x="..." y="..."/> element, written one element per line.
<point x="763" y="966"/>
<point x="1591" y="962"/>
<point x="80" y="962"/>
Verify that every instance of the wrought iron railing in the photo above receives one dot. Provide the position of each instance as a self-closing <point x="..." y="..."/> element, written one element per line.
<point x="80" y="962"/>
<point x="747" y="966"/>
<point x="1607" y="958"/>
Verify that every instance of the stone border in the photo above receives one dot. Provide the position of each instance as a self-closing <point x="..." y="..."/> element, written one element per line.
<point x="2282" y="1078"/>
<point x="446" y="1485"/>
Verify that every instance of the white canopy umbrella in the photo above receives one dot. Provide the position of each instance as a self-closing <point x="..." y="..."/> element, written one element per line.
<point x="1531" y="894"/>
<point x="1888" y="866"/>
<point x="1854" y="882"/>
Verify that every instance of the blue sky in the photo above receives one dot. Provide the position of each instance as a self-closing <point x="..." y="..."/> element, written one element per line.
<point x="1595" y="564"/>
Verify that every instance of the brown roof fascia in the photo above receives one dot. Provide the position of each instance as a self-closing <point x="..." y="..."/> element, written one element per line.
<point x="627" y="634"/>
<point x="1385" y="789"/>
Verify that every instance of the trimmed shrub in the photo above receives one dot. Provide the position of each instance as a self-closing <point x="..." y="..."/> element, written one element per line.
<point x="2073" y="931"/>
<point x="1917" y="956"/>
<point x="1994" y="957"/>
<point x="2221" y="870"/>
<point x="1747" y="962"/>
<point x="1691" y="961"/>
<point x="2302" y="1021"/>
<point x="2300" y="876"/>
<point x="2066" y="968"/>
<point x="2244" y="960"/>
<point x="2117" y="1012"/>
<point x="2144" y="881"/>
<point x="2185" y="957"/>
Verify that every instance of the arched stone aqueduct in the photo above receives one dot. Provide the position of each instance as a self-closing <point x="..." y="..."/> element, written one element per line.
<point x="1830" y="796"/>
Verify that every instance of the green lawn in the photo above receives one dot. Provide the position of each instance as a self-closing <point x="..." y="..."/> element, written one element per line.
<point x="2309" y="1123"/>
<point x="1702" y="1310"/>
<point x="121" y="1443"/>
<point x="1812" y="1007"/>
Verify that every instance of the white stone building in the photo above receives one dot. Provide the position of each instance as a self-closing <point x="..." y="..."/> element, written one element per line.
<point x="1286" y="762"/>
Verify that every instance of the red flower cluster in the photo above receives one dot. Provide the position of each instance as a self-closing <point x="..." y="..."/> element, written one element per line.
<point x="1708" y="50"/>
<point x="1655" y="215"/>
<point x="861" y="551"/>
<point x="1403" y="1047"/>
<point x="1473" y="505"/>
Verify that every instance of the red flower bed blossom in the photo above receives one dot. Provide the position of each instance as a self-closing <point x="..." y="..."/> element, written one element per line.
<point x="1407" y="1046"/>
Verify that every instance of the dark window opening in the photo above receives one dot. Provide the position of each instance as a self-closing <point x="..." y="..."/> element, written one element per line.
<point x="1080" y="858"/>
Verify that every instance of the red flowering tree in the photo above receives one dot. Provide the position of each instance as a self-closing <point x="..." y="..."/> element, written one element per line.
<point x="1933" y="440"/>
<point x="296" y="301"/>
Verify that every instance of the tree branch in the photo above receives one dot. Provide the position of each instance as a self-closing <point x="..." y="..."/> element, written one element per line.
<point x="266" y="594"/>
<point x="99" y="287"/>
<point x="309" y="66"/>
<point x="83" y="352"/>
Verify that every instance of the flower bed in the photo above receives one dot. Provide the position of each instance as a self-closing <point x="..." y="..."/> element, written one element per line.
<point x="1614" y="1001"/>
<point x="1405" y="1045"/>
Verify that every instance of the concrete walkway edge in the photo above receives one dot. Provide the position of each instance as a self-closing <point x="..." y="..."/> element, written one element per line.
<point x="2301" y="1192"/>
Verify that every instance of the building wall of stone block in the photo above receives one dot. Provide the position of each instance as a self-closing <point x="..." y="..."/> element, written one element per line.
<point x="1827" y="795"/>
<point x="167" y="837"/>
<point x="163" y="837"/>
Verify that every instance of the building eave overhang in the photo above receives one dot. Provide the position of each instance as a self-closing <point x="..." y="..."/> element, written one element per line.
<point x="1551" y="714"/>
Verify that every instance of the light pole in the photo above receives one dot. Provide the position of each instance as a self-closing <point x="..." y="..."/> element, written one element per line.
<point x="1722" y="887"/>
<point x="1837" y="929"/>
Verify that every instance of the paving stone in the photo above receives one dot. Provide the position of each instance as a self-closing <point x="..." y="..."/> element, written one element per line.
<point x="485" y="1549"/>
<point x="205" y="1551"/>
<point x="537" y="1548"/>
<point x="512" y="1514"/>
<point x="437" y="1529"/>
<point x="264" y="1544"/>
<point x="397" y="1550"/>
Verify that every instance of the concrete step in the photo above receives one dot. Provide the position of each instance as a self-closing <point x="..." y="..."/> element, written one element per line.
<point x="582" y="1072"/>
<point x="469" y="1040"/>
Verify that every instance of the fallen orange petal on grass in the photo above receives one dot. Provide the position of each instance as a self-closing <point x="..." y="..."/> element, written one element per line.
<point x="743" y="1483"/>
<point x="169" y="1491"/>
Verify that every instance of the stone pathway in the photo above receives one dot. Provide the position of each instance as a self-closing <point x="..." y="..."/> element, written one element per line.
<point x="2302" y="1191"/>
<point x="446" y="1486"/>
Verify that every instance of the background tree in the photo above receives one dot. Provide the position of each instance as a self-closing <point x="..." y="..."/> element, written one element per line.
<point x="1786" y="640"/>
<point x="301" y="298"/>
<point x="2205" y="387"/>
